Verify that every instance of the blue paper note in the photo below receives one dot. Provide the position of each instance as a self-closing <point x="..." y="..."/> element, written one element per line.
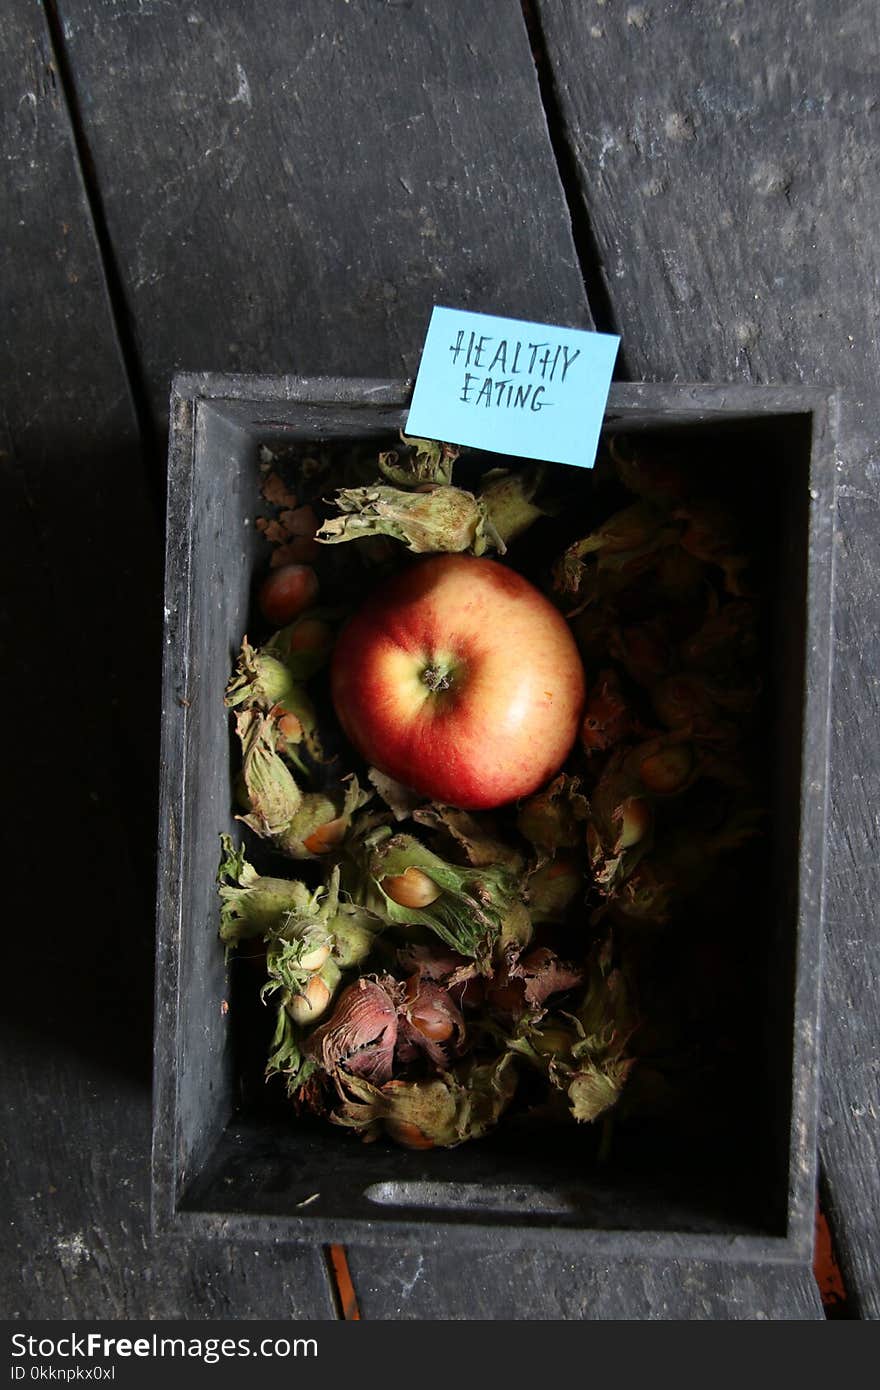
<point x="513" y="387"/>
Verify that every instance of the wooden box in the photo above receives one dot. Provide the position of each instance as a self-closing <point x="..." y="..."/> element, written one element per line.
<point x="234" y="1170"/>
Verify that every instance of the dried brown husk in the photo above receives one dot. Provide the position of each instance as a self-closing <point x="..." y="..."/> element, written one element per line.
<point x="401" y="801"/>
<point x="552" y="819"/>
<point x="441" y="1112"/>
<point x="725" y="645"/>
<point x="420" y="461"/>
<point x="276" y="492"/>
<point x="691" y="702"/>
<point x="361" y="1034"/>
<point x="475" y="837"/>
<point x="620" y="832"/>
<point x="543" y="974"/>
<point x="428" y="1007"/>
<point x="608" y="716"/>
<point x="553" y="887"/>
<point x="436" y="964"/>
<point x="680" y="863"/>
<point x="711" y="534"/>
<point x="644" y="650"/>
<point x="624" y="544"/>
<point x="656" y="478"/>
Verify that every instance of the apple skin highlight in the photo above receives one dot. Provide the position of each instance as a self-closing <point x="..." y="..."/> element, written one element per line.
<point x="460" y="680"/>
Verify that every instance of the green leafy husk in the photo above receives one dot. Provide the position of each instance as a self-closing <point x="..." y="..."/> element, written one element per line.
<point x="516" y="930"/>
<point x="262" y="681"/>
<point x="509" y="498"/>
<point x="287" y="974"/>
<point x="352" y="930"/>
<point x="583" y="1053"/>
<point x="295" y="922"/>
<point x="446" y="519"/>
<point x="278" y="809"/>
<point x="272" y="794"/>
<point x="253" y="904"/>
<point x="318" y="809"/>
<point x="440" y="518"/>
<point x="286" y="1055"/>
<point x="474" y="903"/>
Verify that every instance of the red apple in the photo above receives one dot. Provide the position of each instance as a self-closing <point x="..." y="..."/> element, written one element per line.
<point x="460" y="680"/>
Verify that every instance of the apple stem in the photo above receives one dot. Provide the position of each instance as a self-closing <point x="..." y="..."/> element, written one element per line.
<point x="435" y="679"/>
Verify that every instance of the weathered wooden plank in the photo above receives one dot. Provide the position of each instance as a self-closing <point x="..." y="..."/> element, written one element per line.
<point x="535" y="1286"/>
<point x="80" y="614"/>
<point x="79" y="1242"/>
<point x="291" y="188"/>
<point x="729" y="174"/>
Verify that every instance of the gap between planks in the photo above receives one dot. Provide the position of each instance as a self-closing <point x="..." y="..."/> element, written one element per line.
<point x="586" y="246"/>
<point x="120" y="311"/>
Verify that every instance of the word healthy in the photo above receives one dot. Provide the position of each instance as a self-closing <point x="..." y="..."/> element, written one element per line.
<point x="512" y="358"/>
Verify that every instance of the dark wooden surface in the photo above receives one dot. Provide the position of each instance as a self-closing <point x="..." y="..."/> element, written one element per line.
<point x="81" y="620"/>
<point x="319" y="175"/>
<point x="238" y="185"/>
<point x="731" y="184"/>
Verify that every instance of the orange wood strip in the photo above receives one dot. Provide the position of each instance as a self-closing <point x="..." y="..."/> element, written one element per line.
<point x="825" y="1269"/>
<point x="343" y="1288"/>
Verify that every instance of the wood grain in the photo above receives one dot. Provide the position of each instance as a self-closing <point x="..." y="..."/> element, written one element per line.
<point x="730" y="178"/>
<point x="80" y="615"/>
<point x="538" y="1287"/>
<point x="291" y="188"/>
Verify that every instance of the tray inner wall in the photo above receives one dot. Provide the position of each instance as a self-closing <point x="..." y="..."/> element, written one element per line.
<point x="239" y="1156"/>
